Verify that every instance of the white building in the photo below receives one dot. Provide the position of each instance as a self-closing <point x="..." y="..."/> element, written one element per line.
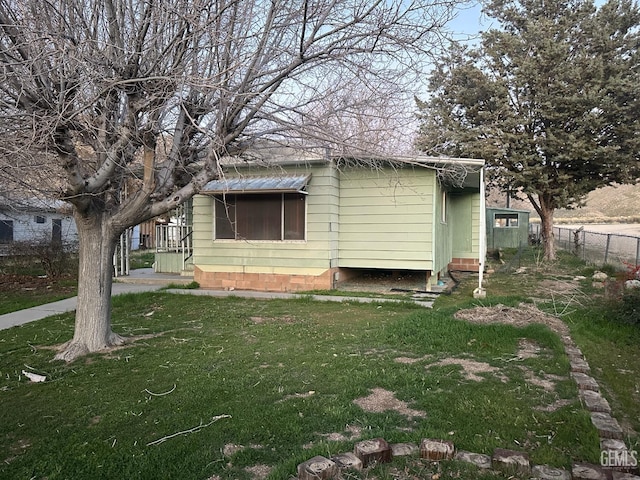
<point x="37" y="220"/>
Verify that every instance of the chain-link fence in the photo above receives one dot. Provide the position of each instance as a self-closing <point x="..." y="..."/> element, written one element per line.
<point x="593" y="247"/>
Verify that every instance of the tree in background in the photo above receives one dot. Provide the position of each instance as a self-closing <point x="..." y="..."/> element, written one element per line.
<point x="126" y="108"/>
<point x="551" y="100"/>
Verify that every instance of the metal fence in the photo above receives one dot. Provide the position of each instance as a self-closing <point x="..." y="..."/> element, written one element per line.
<point x="593" y="247"/>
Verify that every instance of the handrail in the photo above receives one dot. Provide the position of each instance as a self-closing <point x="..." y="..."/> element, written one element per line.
<point x="175" y="239"/>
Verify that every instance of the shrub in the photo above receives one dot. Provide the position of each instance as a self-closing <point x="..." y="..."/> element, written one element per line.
<point x="629" y="307"/>
<point x="628" y="299"/>
<point x="53" y="258"/>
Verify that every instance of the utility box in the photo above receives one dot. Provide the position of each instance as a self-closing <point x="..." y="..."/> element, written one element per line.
<point x="507" y="228"/>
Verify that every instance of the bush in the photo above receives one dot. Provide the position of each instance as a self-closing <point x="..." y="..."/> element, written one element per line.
<point x="626" y="300"/>
<point x="629" y="307"/>
<point x="51" y="258"/>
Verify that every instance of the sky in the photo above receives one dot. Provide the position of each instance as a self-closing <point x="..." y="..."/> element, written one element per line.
<point x="469" y="21"/>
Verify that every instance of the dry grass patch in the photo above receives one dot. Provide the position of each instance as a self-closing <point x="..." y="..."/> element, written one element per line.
<point x="527" y="349"/>
<point x="520" y="316"/>
<point x="381" y="400"/>
<point x="471" y="368"/>
<point x="412" y="360"/>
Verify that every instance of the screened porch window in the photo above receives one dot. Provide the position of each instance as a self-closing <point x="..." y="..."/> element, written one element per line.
<point x="260" y="216"/>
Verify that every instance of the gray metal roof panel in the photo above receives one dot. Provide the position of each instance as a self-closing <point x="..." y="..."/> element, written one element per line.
<point x="262" y="184"/>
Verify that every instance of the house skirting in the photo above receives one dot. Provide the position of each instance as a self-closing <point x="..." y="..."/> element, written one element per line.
<point x="264" y="281"/>
<point x="464" y="265"/>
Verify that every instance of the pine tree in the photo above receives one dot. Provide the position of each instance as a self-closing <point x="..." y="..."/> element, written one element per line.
<point x="551" y="100"/>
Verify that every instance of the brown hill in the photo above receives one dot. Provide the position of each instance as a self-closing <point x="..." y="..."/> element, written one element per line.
<point x="619" y="204"/>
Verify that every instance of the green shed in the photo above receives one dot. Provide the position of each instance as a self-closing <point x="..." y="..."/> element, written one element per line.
<point x="507" y="227"/>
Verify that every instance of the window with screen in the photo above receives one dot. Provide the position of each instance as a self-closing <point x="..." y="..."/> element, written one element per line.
<point x="260" y="216"/>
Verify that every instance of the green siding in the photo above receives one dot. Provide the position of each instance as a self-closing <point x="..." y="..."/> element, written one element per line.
<point x="442" y="231"/>
<point x="466" y="227"/>
<point x="168" y="262"/>
<point x="386" y="218"/>
<point x="356" y="218"/>
<point x="507" y="237"/>
<point x="312" y="253"/>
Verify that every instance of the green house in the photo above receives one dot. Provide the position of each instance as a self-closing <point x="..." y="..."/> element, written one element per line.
<point x="293" y="225"/>
<point x="507" y="228"/>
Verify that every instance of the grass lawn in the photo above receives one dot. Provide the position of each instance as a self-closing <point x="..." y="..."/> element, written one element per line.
<point x="240" y="389"/>
<point x="24" y="285"/>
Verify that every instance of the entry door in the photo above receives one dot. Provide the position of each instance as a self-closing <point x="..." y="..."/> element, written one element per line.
<point x="56" y="231"/>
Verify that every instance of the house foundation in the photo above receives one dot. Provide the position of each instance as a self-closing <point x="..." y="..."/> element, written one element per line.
<point x="464" y="265"/>
<point x="266" y="282"/>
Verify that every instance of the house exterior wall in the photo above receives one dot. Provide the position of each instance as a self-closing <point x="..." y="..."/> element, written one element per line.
<point x="356" y="218"/>
<point x="273" y="265"/>
<point x="386" y="219"/>
<point x="465" y="210"/>
<point x="442" y="220"/>
<point x="25" y="227"/>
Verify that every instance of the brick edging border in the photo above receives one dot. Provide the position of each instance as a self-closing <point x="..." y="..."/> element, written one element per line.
<point x="369" y="452"/>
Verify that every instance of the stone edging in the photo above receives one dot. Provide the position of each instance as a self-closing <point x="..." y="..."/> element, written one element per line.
<point x="370" y="452"/>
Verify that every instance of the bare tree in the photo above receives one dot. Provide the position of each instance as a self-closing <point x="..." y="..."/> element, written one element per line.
<point x="125" y="108"/>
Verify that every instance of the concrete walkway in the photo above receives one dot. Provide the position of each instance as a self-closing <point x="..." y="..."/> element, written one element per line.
<point x="32" y="314"/>
<point x="146" y="280"/>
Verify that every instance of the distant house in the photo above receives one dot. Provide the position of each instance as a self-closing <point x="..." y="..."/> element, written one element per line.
<point x="302" y="225"/>
<point x="36" y="220"/>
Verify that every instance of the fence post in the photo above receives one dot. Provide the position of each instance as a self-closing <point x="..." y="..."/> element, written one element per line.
<point x="638" y="251"/>
<point x="606" y="250"/>
<point x="584" y="245"/>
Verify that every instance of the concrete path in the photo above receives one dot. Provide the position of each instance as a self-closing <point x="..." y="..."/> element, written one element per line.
<point x="32" y="314"/>
<point x="145" y="280"/>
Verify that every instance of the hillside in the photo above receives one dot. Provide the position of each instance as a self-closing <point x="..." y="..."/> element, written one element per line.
<point x="610" y="204"/>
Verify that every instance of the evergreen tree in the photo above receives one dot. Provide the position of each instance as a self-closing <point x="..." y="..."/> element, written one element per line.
<point x="551" y="100"/>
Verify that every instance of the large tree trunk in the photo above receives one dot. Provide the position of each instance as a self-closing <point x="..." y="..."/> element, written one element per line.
<point x="546" y="231"/>
<point x="97" y="242"/>
<point x="545" y="208"/>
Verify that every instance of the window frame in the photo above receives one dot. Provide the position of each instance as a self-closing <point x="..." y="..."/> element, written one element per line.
<point x="508" y="217"/>
<point x="230" y="202"/>
<point x="443" y="207"/>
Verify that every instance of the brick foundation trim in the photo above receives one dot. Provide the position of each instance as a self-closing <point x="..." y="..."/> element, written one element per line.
<point x="464" y="265"/>
<point x="265" y="282"/>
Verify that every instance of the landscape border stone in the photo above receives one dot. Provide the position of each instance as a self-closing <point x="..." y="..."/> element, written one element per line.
<point x="369" y="452"/>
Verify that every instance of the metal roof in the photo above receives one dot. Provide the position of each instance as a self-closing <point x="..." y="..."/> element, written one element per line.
<point x="271" y="184"/>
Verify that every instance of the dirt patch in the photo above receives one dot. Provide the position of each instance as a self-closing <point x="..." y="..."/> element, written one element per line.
<point x="471" y="368"/>
<point x="546" y="381"/>
<point x="299" y="395"/>
<point x="552" y="407"/>
<point x="352" y="432"/>
<point x="386" y="281"/>
<point x="284" y="319"/>
<point x="259" y="472"/>
<point x="527" y="349"/>
<point x="520" y="316"/>
<point x="231" y="449"/>
<point x="558" y="287"/>
<point x="411" y="360"/>
<point x="36" y="284"/>
<point x="381" y="400"/>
